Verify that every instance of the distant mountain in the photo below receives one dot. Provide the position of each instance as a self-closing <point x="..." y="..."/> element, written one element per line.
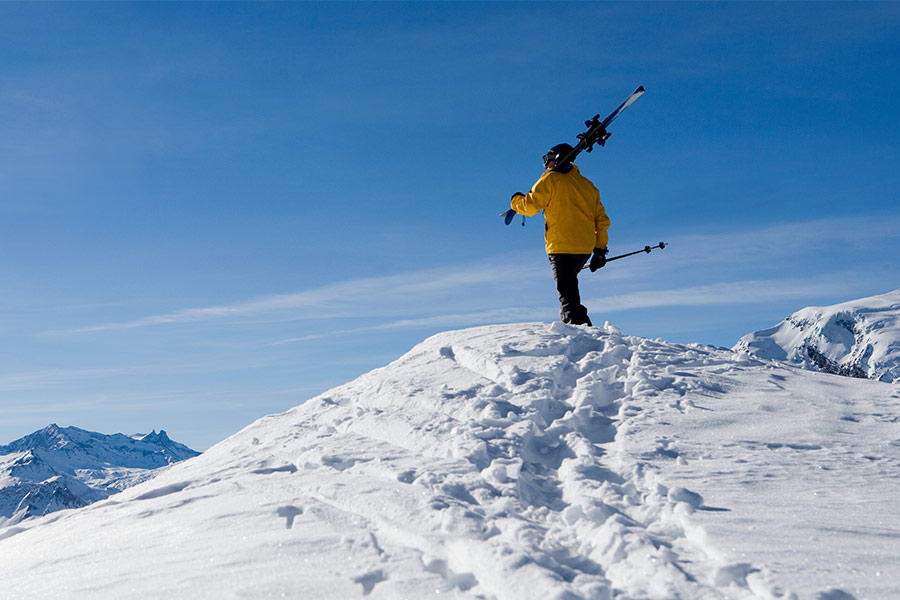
<point x="67" y="467"/>
<point x="858" y="339"/>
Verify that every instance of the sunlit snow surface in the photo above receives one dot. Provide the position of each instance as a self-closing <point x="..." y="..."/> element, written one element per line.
<point x="528" y="461"/>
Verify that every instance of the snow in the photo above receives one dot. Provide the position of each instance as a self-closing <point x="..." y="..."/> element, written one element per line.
<point x="859" y="338"/>
<point x="525" y="461"/>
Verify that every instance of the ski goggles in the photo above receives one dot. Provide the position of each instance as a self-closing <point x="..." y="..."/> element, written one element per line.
<point x="549" y="157"/>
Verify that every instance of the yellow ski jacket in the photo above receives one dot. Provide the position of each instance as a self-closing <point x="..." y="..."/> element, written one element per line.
<point x="575" y="220"/>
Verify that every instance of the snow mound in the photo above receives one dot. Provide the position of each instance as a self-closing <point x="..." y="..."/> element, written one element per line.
<point x="858" y="339"/>
<point x="528" y="461"/>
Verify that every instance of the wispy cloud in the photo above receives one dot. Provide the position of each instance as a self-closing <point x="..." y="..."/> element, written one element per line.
<point x="67" y="378"/>
<point x="468" y="319"/>
<point x="55" y="377"/>
<point x="781" y="241"/>
<point x="394" y="292"/>
<point x="730" y="293"/>
<point x="479" y="293"/>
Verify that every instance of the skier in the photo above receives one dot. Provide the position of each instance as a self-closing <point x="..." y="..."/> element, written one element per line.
<point x="575" y="225"/>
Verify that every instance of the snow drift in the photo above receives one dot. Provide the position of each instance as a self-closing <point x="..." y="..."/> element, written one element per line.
<point x="527" y="461"/>
<point x="859" y="338"/>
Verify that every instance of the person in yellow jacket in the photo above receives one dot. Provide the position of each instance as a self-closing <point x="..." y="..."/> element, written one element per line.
<point x="575" y="224"/>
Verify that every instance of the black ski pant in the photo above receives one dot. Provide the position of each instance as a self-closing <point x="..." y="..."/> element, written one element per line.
<point x="566" y="268"/>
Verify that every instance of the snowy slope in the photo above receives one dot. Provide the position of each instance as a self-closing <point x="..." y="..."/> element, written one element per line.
<point x="66" y="467"/>
<point x="531" y="461"/>
<point x="859" y="338"/>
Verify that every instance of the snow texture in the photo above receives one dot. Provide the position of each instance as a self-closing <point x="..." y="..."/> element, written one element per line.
<point x="858" y="339"/>
<point x="529" y="461"/>
<point x="66" y="467"/>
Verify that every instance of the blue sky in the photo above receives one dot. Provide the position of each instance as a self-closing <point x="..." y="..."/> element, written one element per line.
<point x="213" y="211"/>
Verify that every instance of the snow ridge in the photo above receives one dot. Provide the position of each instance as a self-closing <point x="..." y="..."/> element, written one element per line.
<point x="860" y="338"/>
<point x="528" y="461"/>
<point x="484" y="463"/>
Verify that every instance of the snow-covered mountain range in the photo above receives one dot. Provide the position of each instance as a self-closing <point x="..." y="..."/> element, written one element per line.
<point x="66" y="467"/>
<point x="525" y="461"/>
<point x="859" y="338"/>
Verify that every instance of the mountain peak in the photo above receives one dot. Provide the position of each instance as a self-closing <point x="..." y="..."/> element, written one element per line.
<point x="51" y="437"/>
<point x="857" y="338"/>
<point x="155" y="436"/>
<point x="67" y="467"/>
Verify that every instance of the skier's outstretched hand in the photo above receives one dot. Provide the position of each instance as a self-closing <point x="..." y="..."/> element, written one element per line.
<point x="598" y="261"/>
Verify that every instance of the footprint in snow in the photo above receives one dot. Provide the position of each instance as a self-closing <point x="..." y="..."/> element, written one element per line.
<point x="835" y="594"/>
<point x="164" y="491"/>
<point x="289" y="512"/>
<point x="369" y="580"/>
<point x="272" y="470"/>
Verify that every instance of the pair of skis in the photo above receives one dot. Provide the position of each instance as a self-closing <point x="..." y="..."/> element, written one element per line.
<point x="596" y="130"/>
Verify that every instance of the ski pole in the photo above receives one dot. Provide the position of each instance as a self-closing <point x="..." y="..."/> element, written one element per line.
<point x="646" y="249"/>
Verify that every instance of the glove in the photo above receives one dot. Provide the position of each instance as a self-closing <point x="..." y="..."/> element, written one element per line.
<point x="599" y="259"/>
<point x="511" y="213"/>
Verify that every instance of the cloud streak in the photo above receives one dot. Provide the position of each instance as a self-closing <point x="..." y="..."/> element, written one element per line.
<point x="730" y="293"/>
<point x="468" y="319"/>
<point x="392" y="292"/>
<point x="435" y="297"/>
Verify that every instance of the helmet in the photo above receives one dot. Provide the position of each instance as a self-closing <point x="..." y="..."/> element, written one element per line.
<point x="556" y="152"/>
